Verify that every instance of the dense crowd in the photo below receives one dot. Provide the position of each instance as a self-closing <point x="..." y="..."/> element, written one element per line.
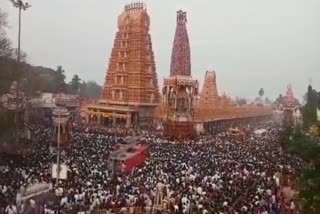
<point x="213" y="174"/>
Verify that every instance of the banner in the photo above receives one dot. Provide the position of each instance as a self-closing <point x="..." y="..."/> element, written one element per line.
<point x="34" y="190"/>
<point x="318" y="113"/>
<point x="62" y="172"/>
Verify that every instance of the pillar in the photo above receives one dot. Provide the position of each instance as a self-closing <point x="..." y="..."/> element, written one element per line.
<point x="87" y="117"/>
<point x="128" y="122"/>
<point x="99" y="119"/>
<point x="114" y="120"/>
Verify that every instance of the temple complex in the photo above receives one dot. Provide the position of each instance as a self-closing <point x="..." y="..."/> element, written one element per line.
<point x="131" y="91"/>
<point x="216" y="112"/>
<point x="184" y="111"/>
<point x="131" y="97"/>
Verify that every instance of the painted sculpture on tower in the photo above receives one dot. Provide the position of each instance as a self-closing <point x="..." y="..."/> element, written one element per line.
<point x="179" y="89"/>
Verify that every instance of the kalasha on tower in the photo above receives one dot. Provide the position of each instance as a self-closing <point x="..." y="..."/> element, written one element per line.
<point x="180" y="90"/>
<point x="131" y="91"/>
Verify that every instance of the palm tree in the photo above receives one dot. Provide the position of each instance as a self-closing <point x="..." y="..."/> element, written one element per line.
<point x="261" y="92"/>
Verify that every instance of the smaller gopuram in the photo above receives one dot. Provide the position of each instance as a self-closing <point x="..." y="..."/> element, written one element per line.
<point x="290" y="107"/>
<point x="180" y="89"/>
<point x="130" y="93"/>
<point x="209" y="97"/>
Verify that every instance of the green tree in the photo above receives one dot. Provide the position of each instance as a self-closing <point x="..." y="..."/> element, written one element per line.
<point x="75" y="83"/>
<point x="309" y="111"/>
<point x="279" y="100"/>
<point x="60" y="79"/>
<point x="261" y="92"/>
<point x="90" y="89"/>
<point x="309" y="183"/>
<point x="5" y="43"/>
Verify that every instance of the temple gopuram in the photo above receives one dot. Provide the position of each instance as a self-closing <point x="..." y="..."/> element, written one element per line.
<point x="131" y="92"/>
<point x="131" y="95"/>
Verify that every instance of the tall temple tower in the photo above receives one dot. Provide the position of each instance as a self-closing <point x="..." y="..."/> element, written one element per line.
<point x="179" y="89"/>
<point x="209" y="97"/>
<point x="131" y="87"/>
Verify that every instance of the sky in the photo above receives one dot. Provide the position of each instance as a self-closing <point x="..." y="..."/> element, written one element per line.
<point x="250" y="44"/>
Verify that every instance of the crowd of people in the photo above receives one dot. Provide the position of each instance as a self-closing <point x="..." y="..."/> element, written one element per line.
<point x="213" y="174"/>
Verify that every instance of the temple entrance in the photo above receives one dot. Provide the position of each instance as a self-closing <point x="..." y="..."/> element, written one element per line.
<point x="112" y="119"/>
<point x="121" y="122"/>
<point x="107" y="121"/>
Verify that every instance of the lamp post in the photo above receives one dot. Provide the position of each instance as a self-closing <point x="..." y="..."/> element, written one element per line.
<point x="21" y="6"/>
<point x="61" y="117"/>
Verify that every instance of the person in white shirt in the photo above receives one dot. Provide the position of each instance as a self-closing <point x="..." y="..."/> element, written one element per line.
<point x="11" y="209"/>
<point x="292" y="205"/>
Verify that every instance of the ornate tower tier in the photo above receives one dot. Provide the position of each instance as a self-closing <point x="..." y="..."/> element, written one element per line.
<point x="130" y="92"/>
<point x="180" y="90"/>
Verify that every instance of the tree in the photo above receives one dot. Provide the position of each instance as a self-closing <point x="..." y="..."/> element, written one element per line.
<point x="267" y="100"/>
<point x="241" y="101"/>
<point x="5" y="43"/>
<point x="309" y="183"/>
<point x="23" y="55"/>
<point x="60" y="79"/>
<point x="279" y="100"/>
<point x="75" y="83"/>
<point x="309" y="111"/>
<point x="90" y="89"/>
<point x="261" y="92"/>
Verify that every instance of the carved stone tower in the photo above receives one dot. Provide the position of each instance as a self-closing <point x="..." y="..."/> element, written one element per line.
<point x="131" y="79"/>
<point x="209" y="97"/>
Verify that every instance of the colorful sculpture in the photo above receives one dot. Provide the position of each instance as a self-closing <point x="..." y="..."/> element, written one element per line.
<point x="180" y="90"/>
<point x="180" y="57"/>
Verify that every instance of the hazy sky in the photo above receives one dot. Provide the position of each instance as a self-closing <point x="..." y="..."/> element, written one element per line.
<point x="249" y="43"/>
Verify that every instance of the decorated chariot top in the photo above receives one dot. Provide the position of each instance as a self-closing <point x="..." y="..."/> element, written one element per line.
<point x="289" y="100"/>
<point x="180" y="57"/>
